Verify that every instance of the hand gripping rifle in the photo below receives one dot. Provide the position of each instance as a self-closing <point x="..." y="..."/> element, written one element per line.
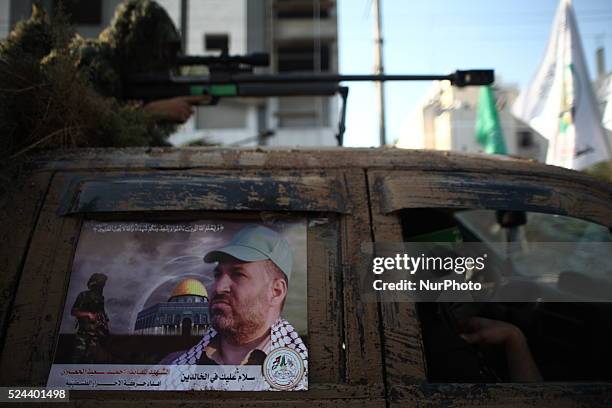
<point x="233" y="76"/>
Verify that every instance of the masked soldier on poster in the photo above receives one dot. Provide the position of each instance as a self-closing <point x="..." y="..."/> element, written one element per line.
<point x="92" y="321"/>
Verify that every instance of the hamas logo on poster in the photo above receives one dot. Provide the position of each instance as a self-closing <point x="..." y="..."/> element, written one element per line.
<point x="283" y="368"/>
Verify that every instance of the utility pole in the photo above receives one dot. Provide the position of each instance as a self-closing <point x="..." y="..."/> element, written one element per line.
<point x="600" y="58"/>
<point x="184" y="23"/>
<point x="379" y="69"/>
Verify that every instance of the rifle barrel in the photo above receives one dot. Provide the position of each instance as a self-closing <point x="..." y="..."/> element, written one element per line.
<point x="292" y="78"/>
<point x="460" y="78"/>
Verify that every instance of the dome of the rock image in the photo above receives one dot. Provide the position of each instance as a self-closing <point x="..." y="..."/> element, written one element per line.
<point x="189" y="287"/>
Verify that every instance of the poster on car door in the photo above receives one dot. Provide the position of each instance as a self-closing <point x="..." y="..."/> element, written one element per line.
<point x="215" y="304"/>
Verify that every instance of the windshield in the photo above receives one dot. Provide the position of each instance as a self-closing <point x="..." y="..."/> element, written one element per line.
<point x="524" y="234"/>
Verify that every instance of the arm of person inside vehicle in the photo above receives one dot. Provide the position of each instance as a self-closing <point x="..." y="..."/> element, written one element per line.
<point x="481" y="331"/>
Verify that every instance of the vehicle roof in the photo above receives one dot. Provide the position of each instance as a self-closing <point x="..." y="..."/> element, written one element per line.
<point x="303" y="159"/>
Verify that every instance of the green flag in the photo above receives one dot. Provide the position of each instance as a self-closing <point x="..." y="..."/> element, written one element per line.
<point x="488" y="129"/>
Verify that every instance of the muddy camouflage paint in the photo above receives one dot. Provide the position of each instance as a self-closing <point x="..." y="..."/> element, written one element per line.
<point x="361" y="354"/>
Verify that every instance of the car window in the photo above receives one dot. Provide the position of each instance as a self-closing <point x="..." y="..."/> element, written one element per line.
<point x="527" y="236"/>
<point x="537" y="227"/>
<point x="552" y="258"/>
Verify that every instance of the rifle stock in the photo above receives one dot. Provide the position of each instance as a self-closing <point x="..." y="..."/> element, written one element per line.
<point x="165" y="89"/>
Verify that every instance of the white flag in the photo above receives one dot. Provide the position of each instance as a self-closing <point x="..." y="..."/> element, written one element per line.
<point x="560" y="102"/>
<point x="607" y="115"/>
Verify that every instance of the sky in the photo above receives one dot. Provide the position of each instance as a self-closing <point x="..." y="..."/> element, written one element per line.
<point x="441" y="36"/>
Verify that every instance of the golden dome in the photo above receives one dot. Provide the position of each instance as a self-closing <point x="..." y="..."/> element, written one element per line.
<point x="189" y="287"/>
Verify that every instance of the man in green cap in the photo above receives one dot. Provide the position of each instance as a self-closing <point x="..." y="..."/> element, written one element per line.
<point x="251" y="278"/>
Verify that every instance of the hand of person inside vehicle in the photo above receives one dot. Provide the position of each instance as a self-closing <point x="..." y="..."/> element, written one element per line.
<point x="481" y="331"/>
<point x="177" y="109"/>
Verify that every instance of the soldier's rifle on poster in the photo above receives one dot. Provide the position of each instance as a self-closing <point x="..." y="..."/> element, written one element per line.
<point x="235" y="76"/>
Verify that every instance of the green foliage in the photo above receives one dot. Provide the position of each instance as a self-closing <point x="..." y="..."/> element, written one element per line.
<point x="602" y="170"/>
<point x="50" y="99"/>
<point x="142" y="37"/>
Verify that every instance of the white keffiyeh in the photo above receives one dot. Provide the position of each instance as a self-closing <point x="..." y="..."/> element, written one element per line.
<point x="282" y="334"/>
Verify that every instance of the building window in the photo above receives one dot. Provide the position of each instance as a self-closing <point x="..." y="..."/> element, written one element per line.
<point x="226" y="115"/>
<point x="303" y="112"/>
<point x="213" y="42"/>
<point x="302" y="57"/>
<point x="525" y="139"/>
<point x="302" y="9"/>
<point x="81" y="12"/>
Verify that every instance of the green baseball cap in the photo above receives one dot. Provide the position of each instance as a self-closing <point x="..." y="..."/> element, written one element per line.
<point x="257" y="243"/>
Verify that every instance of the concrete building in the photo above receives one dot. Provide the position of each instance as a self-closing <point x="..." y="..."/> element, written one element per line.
<point x="446" y="120"/>
<point x="603" y="91"/>
<point x="89" y="17"/>
<point x="607" y="104"/>
<point x="5" y="23"/>
<point x="299" y="35"/>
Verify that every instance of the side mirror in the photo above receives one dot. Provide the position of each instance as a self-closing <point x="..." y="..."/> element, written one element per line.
<point x="511" y="219"/>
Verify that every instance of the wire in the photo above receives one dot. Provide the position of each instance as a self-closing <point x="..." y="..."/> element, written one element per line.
<point x="367" y="9"/>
